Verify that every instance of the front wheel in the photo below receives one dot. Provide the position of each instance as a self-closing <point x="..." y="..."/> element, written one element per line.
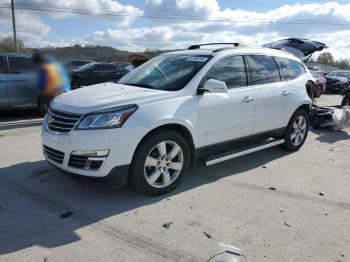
<point x="160" y="163"/>
<point x="296" y="131"/>
<point x="76" y="83"/>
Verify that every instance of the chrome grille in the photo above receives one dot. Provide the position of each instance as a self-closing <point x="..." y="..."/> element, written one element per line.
<point x="54" y="154"/>
<point x="59" y="121"/>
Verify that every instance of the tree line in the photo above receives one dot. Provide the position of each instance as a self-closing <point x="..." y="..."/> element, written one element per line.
<point x="87" y="52"/>
<point x="110" y="54"/>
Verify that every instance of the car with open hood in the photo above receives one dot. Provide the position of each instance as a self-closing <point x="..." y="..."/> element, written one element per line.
<point x="210" y="102"/>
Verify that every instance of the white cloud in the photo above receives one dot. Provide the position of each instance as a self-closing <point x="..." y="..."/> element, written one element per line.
<point x="299" y="20"/>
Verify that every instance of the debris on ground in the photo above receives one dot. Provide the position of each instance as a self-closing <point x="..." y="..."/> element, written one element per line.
<point x="264" y="166"/>
<point x="193" y="223"/>
<point x="207" y="235"/>
<point x="66" y="214"/>
<point x="167" y="225"/>
<point x="272" y="188"/>
<point x="281" y="210"/>
<point x="321" y="194"/>
<point x="287" y="224"/>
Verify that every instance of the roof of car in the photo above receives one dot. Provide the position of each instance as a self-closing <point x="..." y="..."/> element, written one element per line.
<point x="15" y="54"/>
<point x="237" y="50"/>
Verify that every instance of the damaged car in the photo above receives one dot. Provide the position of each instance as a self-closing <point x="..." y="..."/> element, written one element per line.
<point x="210" y="102"/>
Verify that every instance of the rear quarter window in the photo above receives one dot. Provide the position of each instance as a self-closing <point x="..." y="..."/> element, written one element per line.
<point x="263" y="69"/>
<point x="289" y="69"/>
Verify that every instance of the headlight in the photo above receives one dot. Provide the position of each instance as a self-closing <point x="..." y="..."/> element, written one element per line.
<point x="107" y="118"/>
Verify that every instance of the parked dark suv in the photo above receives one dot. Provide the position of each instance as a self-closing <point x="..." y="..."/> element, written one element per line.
<point x="18" y="85"/>
<point x="94" y="73"/>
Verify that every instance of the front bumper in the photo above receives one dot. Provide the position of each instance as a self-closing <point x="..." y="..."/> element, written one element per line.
<point x="120" y="142"/>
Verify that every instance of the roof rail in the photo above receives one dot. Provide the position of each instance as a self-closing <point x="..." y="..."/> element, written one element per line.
<point x="198" y="46"/>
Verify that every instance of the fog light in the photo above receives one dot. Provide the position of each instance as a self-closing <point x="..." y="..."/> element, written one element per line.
<point x="91" y="153"/>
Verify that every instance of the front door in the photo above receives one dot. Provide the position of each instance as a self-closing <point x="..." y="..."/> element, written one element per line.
<point x="226" y="116"/>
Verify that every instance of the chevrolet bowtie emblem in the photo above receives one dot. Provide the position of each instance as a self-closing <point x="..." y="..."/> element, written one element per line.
<point x="50" y="119"/>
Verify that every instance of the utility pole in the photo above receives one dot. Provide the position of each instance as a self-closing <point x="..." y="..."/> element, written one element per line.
<point x="14" y="25"/>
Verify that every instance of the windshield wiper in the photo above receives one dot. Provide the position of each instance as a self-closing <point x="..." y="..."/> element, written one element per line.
<point x="141" y="85"/>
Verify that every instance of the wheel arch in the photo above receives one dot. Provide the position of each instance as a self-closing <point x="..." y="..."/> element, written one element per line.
<point x="179" y="128"/>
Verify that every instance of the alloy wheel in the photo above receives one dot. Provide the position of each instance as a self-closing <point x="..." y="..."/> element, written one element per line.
<point x="163" y="164"/>
<point x="299" y="130"/>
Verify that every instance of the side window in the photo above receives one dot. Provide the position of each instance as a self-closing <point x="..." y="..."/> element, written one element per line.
<point x="110" y="67"/>
<point x="289" y="69"/>
<point x="263" y="69"/>
<point x="20" y="65"/>
<point x="230" y="70"/>
<point x="98" y="67"/>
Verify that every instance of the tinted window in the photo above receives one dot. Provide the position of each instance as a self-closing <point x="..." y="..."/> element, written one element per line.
<point x="98" y="68"/>
<point x="110" y="67"/>
<point x="289" y="69"/>
<point x="263" y="69"/>
<point x="20" y="65"/>
<point x="230" y="70"/>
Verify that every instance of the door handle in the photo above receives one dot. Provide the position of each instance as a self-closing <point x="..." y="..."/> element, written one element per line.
<point x="247" y="99"/>
<point x="285" y="93"/>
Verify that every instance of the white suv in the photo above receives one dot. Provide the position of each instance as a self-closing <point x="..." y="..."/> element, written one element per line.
<point x="211" y="104"/>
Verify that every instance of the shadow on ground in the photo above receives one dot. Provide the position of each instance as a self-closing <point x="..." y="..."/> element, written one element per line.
<point x="328" y="136"/>
<point x="58" y="194"/>
<point x="19" y="119"/>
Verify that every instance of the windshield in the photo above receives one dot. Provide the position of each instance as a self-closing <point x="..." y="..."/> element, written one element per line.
<point x="84" y="67"/>
<point x="166" y="72"/>
<point x="340" y="74"/>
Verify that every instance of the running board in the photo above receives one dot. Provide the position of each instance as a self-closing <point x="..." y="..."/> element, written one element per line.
<point x="243" y="151"/>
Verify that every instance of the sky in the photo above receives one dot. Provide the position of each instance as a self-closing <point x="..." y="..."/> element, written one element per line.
<point x="146" y="24"/>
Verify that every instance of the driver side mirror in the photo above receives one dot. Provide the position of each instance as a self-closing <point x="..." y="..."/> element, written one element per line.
<point x="213" y="86"/>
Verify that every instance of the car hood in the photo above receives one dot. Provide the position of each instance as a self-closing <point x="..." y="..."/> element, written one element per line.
<point x="301" y="48"/>
<point x="107" y="95"/>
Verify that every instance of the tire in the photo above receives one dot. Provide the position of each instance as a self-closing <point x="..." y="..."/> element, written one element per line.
<point x="345" y="101"/>
<point x="76" y="83"/>
<point x="156" y="176"/>
<point x="296" y="132"/>
<point x="42" y="107"/>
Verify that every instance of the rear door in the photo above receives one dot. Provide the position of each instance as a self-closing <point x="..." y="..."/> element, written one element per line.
<point x="3" y="87"/>
<point x="271" y="104"/>
<point x="112" y="72"/>
<point x="96" y="75"/>
<point x="21" y="82"/>
<point x="227" y="116"/>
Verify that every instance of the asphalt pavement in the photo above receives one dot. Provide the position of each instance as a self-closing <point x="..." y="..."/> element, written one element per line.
<point x="274" y="205"/>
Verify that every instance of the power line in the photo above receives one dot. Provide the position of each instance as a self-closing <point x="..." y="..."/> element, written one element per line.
<point x="209" y="19"/>
<point x="102" y="12"/>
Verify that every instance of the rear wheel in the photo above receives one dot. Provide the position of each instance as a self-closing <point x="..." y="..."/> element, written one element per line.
<point x="160" y="163"/>
<point x="296" y="131"/>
